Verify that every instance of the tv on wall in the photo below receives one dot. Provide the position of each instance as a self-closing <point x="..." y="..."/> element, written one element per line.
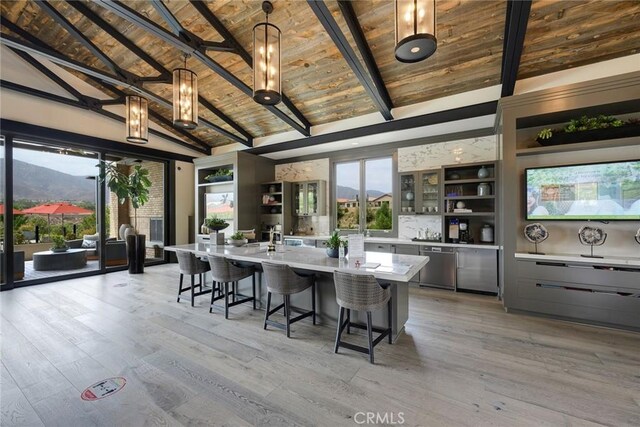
<point x="597" y="191"/>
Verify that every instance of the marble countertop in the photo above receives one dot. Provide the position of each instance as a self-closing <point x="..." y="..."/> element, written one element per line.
<point x="393" y="267"/>
<point x="397" y="241"/>
<point x="614" y="261"/>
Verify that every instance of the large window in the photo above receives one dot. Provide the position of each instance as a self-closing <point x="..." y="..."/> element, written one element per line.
<point x="364" y="195"/>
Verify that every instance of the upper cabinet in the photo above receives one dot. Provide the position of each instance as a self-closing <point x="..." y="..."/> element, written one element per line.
<point x="309" y="198"/>
<point x="420" y="193"/>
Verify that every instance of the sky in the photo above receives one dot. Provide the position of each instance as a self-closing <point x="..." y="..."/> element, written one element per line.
<point x="378" y="174"/>
<point x="72" y="165"/>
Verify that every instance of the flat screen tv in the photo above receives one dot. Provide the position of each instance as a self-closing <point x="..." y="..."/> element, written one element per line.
<point x="596" y="191"/>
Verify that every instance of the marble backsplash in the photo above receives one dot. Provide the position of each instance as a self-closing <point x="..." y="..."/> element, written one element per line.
<point x="409" y="225"/>
<point x="433" y="156"/>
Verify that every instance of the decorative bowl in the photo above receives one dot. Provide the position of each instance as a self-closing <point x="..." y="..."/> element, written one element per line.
<point x="237" y="243"/>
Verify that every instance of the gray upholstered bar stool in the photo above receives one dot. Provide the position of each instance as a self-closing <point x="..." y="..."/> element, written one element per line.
<point x="281" y="279"/>
<point x="360" y="292"/>
<point x="191" y="265"/>
<point x="225" y="272"/>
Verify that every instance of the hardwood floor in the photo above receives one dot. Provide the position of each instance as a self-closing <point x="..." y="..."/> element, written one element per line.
<point x="462" y="361"/>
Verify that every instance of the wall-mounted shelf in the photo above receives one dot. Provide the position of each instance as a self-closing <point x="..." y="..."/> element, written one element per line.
<point x="469" y="181"/>
<point x="463" y="214"/>
<point x="593" y="145"/>
<point x="213" y="184"/>
<point x="469" y="197"/>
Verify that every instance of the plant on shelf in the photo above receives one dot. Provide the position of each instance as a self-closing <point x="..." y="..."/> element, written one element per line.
<point x="133" y="186"/>
<point x="333" y="245"/>
<point x="237" y="239"/>
<point x="216" y="224"/>
<point x="59" y="244"/>
<point x="584" y="124"/>
<point x="238" y="235"/>
<point x="220" y="175"/>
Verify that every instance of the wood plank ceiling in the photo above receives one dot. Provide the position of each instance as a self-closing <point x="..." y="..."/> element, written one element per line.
<point x="316" y="77"/>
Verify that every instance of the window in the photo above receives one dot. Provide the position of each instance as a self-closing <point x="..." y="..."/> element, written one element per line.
<point x="156" y="230"/>
<point x="364" y="195"/>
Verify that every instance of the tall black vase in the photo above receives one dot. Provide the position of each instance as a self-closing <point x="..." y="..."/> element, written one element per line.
<point x="136" y="252"/>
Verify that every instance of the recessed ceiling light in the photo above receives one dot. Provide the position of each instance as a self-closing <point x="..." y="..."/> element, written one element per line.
<point x="415" y="49"/>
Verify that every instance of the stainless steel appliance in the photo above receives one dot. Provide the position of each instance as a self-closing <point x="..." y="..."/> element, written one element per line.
<point x="477" y="269"/>
<point x="440" y="271"/>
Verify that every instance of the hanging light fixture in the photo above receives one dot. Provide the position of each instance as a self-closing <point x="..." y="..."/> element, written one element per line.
<point x="137" y="119"/>
<point x="266" y="60"/>
<point x="415" y="30"/>
<point x="185" y="97"/>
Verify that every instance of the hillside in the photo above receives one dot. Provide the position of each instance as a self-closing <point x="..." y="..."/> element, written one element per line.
<point x="33" y="182"/>
<point x="350" y="193"/>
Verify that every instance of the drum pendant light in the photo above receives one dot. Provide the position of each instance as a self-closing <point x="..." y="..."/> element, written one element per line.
<point x="137" y="119"/>
<point x="185" y="97"/>
<point x="266" y="60"/>
<point x="415" y="30"/>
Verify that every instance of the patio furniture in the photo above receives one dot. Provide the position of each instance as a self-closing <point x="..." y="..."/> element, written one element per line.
<point x="115" y="250"/>
<point x="72" y="259"/>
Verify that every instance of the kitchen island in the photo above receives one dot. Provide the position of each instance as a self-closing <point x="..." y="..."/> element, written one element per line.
<point x="395" y="269"/>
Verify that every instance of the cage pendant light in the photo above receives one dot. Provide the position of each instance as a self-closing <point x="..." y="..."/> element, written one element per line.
<point x="185" y="97"/>
<point x="137" y="119"/>
<point x="415" y="30"/>
<point x="266" y="60"/>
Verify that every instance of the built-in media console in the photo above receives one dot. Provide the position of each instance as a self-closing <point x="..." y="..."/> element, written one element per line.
<point x="604" y="291"/>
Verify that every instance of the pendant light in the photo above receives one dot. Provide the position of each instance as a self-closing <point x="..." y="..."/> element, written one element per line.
<point x="185" y="97"/>
<point x="415" y="30"/>
<point x="137" y="119"/>
<point x="266" y="60"/>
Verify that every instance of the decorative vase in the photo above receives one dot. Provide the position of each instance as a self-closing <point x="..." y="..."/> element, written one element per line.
<point x="129" y="232"/>
<point x="333" y="252"/>
<point x="409" y="196"/>
<point x="204" y="229"/>
<point x="122" y="230"/>
<point x="483" y="172"/>
<point x="136" y="251"/>
<point x="484" y="189"/>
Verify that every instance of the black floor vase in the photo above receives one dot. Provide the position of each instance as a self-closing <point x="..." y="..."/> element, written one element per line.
<point x="136" y="253"/>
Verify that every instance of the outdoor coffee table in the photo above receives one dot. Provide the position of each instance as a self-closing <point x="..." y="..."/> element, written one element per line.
<point x="72" y="259"/>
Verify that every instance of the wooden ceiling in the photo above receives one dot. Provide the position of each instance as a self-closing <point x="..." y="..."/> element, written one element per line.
<point x="316" y="78"/>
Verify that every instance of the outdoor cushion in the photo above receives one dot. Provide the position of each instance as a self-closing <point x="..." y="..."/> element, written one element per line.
<point x="88" y="244"/>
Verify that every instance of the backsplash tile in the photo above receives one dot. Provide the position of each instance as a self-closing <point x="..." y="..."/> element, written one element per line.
<point x="409" y="225"/>
<point x="433" y="156"/>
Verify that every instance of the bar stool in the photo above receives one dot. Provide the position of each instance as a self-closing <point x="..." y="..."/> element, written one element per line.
<point x="224" y="271"/>
<point x="360" y="292"/>
<point x="191" y="265"/>
<point x="281" y="279"/>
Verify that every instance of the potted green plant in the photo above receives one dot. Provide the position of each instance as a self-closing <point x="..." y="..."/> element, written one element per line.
<point x="333" y="245"/>
<point x="220" y="175"/>
<point x="134" y="187"/>
<point x="59" y="244"/>
<point x="216" y="224"/>
<point x="587" y="128"/>
<point x="237" y="239"/>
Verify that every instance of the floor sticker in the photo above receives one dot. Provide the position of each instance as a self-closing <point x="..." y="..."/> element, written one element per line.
<point x="103" y="388"/>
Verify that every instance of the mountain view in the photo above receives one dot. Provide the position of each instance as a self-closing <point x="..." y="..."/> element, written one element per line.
<point x="36" y="183"/>
<point x="350" y="193"/>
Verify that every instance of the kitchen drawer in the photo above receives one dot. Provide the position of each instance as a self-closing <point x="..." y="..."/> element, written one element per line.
<point x="583" y="273"/>
<point x="320" y="243"/>
<point x="379" y="247"/>
<point x="407" y="249"/>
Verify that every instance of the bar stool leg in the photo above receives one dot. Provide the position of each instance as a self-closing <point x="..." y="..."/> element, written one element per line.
<point x="253" y="287"/>
<point x="193" y="293"/>
<point x="287" y="314"/>
<point x="213" y="294"/>
<point x="339" y="329"/>
<point x="348" y="321"/>
<point x="266" y="313"/>
<point x="180" y="287"/>
<point x="226" y="300"/>
<point x="313" y="300"/>
<point x="370" y="335"/>
<point x="390" y="321"/>
<point x="234" y="290"/>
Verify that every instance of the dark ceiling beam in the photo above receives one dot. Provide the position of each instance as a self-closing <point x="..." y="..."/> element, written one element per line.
<point x="514" y="31"/>
<point x="76" y="34"/>
<point x="121" y="38"/>
<point x="82" y="105"/>
<point x="218" y="46"/>
<point x="455" y="114"/>
<point x="60" y="59"/>
<point x="168" y="17"/>
<point x="194" y="48"/>
<point x="213" y="20"/>
<point x="365" y="51"/>
<point x="333" y="29"/>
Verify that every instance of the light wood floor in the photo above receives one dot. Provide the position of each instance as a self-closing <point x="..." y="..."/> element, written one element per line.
<point x="462" y="361"/>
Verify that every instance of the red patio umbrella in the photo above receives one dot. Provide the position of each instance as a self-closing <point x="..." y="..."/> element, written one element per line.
<point x="63" y="209"/>
<point x="15" y="211"/>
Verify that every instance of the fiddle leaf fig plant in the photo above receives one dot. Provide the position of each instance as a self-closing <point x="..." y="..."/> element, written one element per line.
<point x="133" y="186"/>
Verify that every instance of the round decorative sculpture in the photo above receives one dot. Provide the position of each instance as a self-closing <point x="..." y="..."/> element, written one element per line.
<point x="461" y="205"/>
<point x="536" y="233"/>
<point x="637" y="236"/>
<point x="592" y="236"/>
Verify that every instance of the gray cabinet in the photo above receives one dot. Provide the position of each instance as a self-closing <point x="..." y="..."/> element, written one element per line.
<point x="309" y="198"/>
<point x="477" y="269"/>
<point x="379" y="247"/>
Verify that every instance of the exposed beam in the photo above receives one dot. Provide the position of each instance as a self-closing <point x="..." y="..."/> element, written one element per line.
<point x="168" y="17"/>
<point x="194" y="48"/>
<point x="218" y="46"/>
<point x="82" y="105"/>
<point x="514" y="31"/>
<point x="60" y="59"/>
<point x="333" y="29"/>
<point x="76" y="34"/>
<point x="461" y="113"/>
<point x="213" y="20"/>
<point x="365" y="51"/>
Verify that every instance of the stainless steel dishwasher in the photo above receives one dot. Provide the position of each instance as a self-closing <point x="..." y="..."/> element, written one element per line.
<point x="440" y="271"/>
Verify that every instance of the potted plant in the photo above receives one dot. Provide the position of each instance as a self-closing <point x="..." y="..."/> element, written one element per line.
<point x="333" y="245"/>
<point x="588" y="128"/>
<point x="59" y="244"/>
<point x="134" y="187"/>
<point x="216" y="224"/>
<point x="237" y="239"/>
<point x="220" y="175"/>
